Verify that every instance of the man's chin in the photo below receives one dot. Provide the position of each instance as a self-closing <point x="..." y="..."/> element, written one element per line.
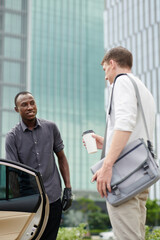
<point x="31" y="119"/>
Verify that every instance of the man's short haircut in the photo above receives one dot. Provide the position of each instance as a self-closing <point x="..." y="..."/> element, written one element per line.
<point x="122" y="56"/>
<point x="18" y="94"/>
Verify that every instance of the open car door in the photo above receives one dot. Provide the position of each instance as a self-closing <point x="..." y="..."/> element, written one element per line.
<point x="24" y="206"/>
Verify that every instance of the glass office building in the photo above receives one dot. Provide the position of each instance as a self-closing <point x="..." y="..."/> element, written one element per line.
<point x="54" y="49"/>
<point x="135" y="24"/>
<point x="13" y="61"/>
<point x="66" y="76"/>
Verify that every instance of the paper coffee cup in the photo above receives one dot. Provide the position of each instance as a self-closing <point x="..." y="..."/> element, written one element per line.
<point x="89" y="141"/>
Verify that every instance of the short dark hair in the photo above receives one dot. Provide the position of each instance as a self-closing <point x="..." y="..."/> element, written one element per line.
<point x="122" y="56"/>
<point x="18" y="94"/>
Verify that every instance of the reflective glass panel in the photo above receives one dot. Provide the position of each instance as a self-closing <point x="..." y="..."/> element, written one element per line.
<point x="16" y="183"/>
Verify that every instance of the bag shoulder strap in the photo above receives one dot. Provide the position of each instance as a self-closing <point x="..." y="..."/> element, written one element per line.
<point x="140" y="104"/>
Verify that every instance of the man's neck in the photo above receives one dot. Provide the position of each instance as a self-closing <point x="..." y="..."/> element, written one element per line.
<point x="119" y="71"/>
<point x="123" y="70"/>
<point x="30" y="123"/>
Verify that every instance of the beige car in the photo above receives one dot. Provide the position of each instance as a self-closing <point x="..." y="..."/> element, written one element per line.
<point x="24" y="206"/>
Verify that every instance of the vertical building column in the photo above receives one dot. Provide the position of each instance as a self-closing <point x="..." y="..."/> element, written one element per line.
<point x="13" y="61"/>
<point x="29" y="34"/>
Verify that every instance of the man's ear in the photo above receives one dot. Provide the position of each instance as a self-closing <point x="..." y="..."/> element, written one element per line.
<point x="112" y="63"/>
<point x="16" y="109"/>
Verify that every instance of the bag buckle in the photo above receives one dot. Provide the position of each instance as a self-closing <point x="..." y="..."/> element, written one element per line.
<point x="150" y="147"/>
<point x="145" y="166"/>
<point x="148" y="170"/>
<point x="116" y="190"/>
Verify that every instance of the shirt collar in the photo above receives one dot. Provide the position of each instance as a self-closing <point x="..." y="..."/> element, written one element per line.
<point x="119" y="76"/>
<point x="24" y="127"/>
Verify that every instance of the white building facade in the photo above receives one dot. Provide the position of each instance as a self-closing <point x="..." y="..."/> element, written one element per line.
<point x="135" y="24"/>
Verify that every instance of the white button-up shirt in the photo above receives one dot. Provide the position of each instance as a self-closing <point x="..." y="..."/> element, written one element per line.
<point x="125" y="112"/>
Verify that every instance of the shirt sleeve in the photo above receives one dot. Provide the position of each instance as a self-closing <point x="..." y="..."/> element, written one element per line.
<point x="125" y="104"/>
<point x="10" y="148"/>
<point x="58" y="142"/>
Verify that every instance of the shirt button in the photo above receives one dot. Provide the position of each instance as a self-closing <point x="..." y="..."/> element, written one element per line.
<point x="37" y="153"/>
<point x="35" y="142"/>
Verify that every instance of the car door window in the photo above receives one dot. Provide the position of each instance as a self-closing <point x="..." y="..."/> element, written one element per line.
<point x="15" y="183"/>
<point x="24" y="206"/>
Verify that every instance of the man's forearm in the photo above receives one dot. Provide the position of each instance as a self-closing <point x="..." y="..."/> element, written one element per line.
<point x="119" y="141"/>
<point x="64" y="168"/>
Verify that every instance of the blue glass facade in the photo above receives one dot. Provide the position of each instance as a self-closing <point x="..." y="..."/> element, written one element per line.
<point x="66" y="77"/>
<point x="61" y="45"/>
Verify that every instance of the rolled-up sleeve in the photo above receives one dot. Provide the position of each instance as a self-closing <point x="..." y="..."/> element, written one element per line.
<point x="10" y="148"/>
<point x="125" y="104"/>
<point x="58" y="142"/>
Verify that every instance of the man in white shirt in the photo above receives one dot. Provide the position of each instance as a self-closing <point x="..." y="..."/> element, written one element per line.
<point x="125" y="124"/>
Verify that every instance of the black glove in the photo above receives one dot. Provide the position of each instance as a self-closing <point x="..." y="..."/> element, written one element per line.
<point x="67" y="198"/>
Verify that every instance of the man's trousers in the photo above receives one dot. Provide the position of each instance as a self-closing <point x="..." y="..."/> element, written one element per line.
<point x="128" y="219"/>
<point x="54" y="220"/>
